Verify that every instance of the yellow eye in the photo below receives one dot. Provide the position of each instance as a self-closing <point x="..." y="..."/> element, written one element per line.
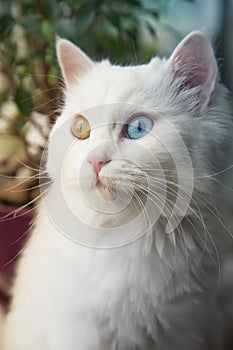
<point x="80" y="127"/>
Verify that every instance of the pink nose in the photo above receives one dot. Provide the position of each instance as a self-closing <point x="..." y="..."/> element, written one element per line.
<point x="98" y="162"/>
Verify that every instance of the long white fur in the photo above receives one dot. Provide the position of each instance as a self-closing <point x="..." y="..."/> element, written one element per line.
<point x="158" y="292"/>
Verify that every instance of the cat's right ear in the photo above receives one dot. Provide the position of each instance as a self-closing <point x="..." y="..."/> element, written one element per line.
<point x="73" y="61"/>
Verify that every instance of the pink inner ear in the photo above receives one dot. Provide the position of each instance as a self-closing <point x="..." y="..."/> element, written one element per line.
<point x="74" y="62"/>
<point x="194" y="63"/>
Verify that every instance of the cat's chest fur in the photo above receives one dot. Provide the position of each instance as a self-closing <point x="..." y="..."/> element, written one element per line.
<point x="118" y="289"/>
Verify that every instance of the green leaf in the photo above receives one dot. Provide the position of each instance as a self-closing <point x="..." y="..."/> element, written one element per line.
<point x="151" y="29"/>
<point x="65" y="27"/>
<point x="3" y="96"/>
<point x="82" y="23"/>
<point x="47" y="30"/>
<point x="6" y="22"/>
<point x="51" y="8"/>
<point x="24" y="102"/>
<point x="109" y="30"/>
<point x="31" y="23"/>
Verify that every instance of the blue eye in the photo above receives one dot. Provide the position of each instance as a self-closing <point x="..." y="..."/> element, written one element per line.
<point x="138" y="127"/>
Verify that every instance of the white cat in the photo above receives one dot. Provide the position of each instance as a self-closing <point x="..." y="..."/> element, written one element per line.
<point x="127" y="245"/>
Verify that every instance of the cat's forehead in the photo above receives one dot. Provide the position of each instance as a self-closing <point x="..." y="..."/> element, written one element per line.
<point x="108" y="84"/>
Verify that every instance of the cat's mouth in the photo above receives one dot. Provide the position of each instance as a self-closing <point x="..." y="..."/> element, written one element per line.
<point x="106" y="188"/>
<point x="119" y="182"/>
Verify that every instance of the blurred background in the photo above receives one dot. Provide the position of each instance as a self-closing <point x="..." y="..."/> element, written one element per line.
<point x="126" y="32"/>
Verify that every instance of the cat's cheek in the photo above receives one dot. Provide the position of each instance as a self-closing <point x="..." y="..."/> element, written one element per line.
<point x="86" y="178"/>
<point x="74" y="173"/>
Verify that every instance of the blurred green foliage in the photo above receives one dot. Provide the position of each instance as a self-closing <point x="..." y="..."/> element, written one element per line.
<point x="108" y="28"/>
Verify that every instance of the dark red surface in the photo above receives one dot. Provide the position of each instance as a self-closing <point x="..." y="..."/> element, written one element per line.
<point x="13" y="234"/>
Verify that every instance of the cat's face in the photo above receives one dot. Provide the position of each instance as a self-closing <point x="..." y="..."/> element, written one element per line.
<point x="125" y="132"/>
<point x="121" y="142"/>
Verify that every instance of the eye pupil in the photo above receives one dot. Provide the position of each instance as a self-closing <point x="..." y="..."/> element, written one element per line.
<point x="80" y="126"/>
<point x="138" y="127"/>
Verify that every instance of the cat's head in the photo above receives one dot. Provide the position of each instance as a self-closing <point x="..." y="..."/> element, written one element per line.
<point x="135" y="132"/>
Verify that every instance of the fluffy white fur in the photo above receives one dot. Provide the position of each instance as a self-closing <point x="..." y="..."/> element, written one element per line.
<point x="159" y="292"/>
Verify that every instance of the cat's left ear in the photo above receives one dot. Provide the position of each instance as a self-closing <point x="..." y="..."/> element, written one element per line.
<point x="73" y="61"/>
<point x="194" y="64"/>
